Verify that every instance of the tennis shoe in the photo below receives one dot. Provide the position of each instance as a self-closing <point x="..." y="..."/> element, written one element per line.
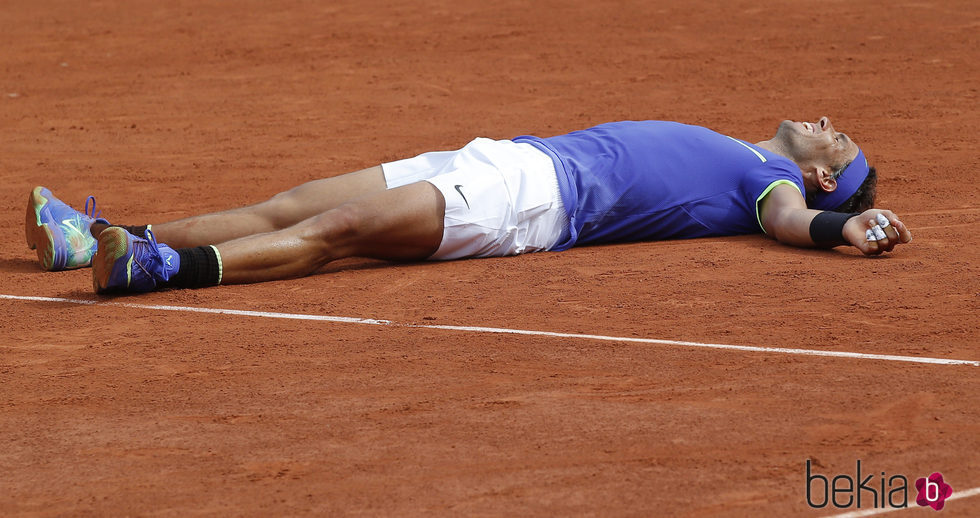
<point x="60" y="234"/>
<point x="127" y="263"/>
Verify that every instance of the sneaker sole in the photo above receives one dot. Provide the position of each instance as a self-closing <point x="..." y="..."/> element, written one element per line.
<point x="113" y="245"/>
<point x="39" y="237"/>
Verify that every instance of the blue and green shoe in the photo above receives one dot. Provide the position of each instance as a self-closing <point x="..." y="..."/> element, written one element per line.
<point x="59" y="233"/>
<point x="126" y="263"/>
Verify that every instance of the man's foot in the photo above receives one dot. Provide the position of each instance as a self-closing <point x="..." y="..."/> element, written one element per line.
<point x="59" y="233"/>
<point x="126" y="263"/>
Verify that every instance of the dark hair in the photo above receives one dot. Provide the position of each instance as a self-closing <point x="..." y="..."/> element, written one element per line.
<point x="862" y="199"/>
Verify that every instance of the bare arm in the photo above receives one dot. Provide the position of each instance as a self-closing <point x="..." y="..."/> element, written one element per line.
<point x="785" y="218"/>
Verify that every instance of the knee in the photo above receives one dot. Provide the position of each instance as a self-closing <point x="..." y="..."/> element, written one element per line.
<point x="279" y="211"/>
<point x="338" y="226"/>
<point x="347" y="220"/>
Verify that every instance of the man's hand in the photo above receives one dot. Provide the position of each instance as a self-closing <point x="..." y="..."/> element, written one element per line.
<point x="883" y="226"/>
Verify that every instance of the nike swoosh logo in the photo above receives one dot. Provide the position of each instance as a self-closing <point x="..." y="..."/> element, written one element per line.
<point x="71" y="224"/>
<point x="460" y="191"/>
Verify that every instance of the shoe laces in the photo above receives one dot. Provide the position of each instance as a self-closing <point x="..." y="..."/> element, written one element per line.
<point x="154" y="254"/>
<point x="91" y="214"/>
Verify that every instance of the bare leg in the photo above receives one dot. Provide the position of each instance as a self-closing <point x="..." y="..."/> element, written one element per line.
<point x="281" y="211"/>
<point x="398" y="224"/>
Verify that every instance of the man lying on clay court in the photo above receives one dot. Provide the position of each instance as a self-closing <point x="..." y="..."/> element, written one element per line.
<point x="808" y="186"/>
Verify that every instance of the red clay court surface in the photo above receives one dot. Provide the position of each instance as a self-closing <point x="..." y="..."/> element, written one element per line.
<point x="168" y="109"/>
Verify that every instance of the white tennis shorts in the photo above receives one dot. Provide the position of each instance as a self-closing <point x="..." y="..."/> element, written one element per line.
<point x="502" y="197"/>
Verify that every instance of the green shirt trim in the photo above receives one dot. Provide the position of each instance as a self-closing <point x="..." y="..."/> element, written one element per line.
<point x="758" y="217"/>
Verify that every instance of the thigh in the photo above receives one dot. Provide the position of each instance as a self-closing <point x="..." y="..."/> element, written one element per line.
<point x="319" y="196"/>
<point x="401" y="224"/>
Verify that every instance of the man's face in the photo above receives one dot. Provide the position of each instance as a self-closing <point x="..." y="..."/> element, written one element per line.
<point x="817" y="144"/>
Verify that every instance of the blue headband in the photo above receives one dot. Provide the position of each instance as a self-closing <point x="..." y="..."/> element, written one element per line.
<point x="847" y="184"/>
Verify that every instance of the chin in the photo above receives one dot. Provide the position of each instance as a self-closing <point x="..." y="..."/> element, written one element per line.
<point x="786" y="128"/>
<point x="786" y="125"/>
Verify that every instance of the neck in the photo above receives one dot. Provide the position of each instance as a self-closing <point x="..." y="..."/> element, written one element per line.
<point x="775" y="146"/>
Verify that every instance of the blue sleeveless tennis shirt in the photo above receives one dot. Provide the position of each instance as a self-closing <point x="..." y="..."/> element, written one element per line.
<point x="651" y="180"/>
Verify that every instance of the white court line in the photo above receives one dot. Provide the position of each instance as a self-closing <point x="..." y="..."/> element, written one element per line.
<point x="942" y="212"/>
<point x="239" y="312"/>
<point x="499" y="330"/>
<point x="872" y="512"/>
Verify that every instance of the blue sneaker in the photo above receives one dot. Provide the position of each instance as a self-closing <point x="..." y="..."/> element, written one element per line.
<point x="59" y="233"/>
<point x="126" y="263"/>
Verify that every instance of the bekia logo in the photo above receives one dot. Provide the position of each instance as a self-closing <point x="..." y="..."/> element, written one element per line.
<point x="862" y="491"/>
<point x="933" y="491"/>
